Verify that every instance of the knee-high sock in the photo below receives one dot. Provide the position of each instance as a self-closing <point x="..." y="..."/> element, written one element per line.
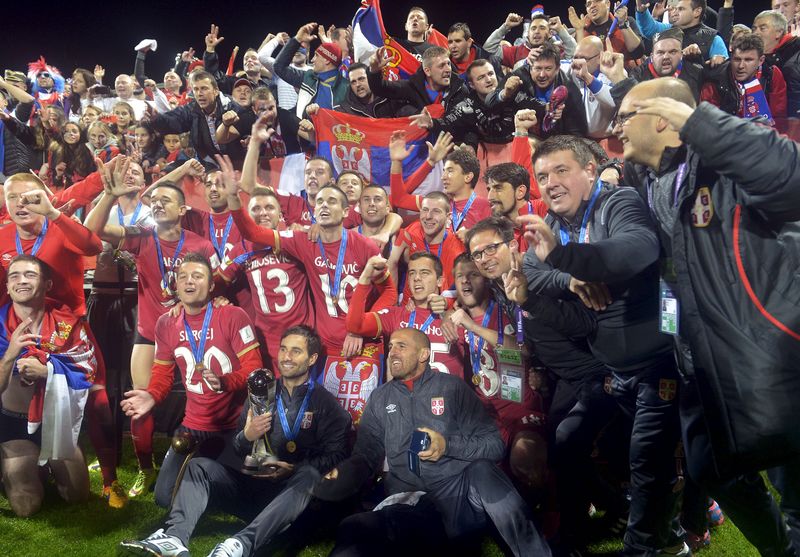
<point x="142" y="434"/>
<point x="101" y="434"/>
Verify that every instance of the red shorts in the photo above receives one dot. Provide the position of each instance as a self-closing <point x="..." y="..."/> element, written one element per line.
<point x="100" y="374"/>
<point x="514" y="417"/>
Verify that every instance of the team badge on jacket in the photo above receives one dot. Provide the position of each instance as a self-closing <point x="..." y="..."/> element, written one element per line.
<point x="437" y="405"/>
<point x="703" y="209"/>
<point x="308" y="418"/>
<point x="667" y="389"/>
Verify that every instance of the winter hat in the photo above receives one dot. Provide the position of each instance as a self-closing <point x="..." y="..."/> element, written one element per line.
<point x="331" y="52"/>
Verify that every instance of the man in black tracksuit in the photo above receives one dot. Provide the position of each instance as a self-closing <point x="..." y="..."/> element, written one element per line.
<point x="459" y="488"/>
<point x="310" y="443"/>
<point x="607" y="253"/>
<point x="726" y="194"/>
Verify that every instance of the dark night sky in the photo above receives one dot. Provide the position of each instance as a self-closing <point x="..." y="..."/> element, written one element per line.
<point x="78" y="33"/>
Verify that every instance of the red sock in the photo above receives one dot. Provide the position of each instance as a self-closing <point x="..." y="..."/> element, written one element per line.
<point x="142" y="435"/>
<point x="100" y="425"/>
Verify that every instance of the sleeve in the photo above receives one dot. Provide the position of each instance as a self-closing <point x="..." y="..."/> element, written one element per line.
<point x="83" y="192"/>
<point x="777" y="94"/>
<point x="492" y="44"/>
<point x="251" y="231"/>
<point x="718" y="48"/>
<point x="769" y="175"/>
<point x="542" y="278"/>
<point x="333" y="430"/>
<point x="521" y="154"/>
<point x="175" y="121"/>
<point x="211" y="64"/>
<point x="138" y="67"/>
<point x="478" y="437"/>
<point x="725" y="21"/>
<point x="569" y="43"/>
<point x="649" y="26"/>
<point x="283" y="67"/>
<point x="162" y="373"/>
<point x="248" y="361"/>
<point x="398" y="197"/>
<point x="571" y="319"/>
<point x="265" y="54"/>
<point x="368" y="324"/>
<point x="631" y="246"/>
<point x="79" y="239"/>
<point x="369" y="441"/>
<point x="400" y="90"/>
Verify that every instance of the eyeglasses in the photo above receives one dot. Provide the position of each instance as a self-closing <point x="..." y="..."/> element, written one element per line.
<point x="44" y="74"/>
<point x="489" y="250"/>
<point x="622" y="119"/>
<point x="586" y="58"/>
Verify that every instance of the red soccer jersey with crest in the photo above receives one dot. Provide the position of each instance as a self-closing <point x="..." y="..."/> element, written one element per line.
<point x="229" y="340"/>
<point x="63" y="248"/>
<point x="295" y="209"/>
<point x="414" y="237"/>
<point x="198" y="222"/>
<point x="479" y="210"/>
<point x="446" y="357"/>
<point x="152" y="301"/>
<point x="279" y="287"/>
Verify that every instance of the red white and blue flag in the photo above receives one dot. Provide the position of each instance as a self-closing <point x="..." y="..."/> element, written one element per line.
<point x="362" y="144"/>
<point x="369" y="35"/>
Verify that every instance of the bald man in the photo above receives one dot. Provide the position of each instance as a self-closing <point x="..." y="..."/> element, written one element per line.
<point x="724" y="193"/>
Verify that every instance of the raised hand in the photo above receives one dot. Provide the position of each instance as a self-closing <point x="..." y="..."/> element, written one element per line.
<point x="612" y="64"/>
<point x="227" y="172"/>
<point x="674" y="112"/>
<point x="229" y="118"/>
<point x="539" y="235"/>
<point x="515" y="284"/>
<point x="99" y="73"/>
<point x="513" y="20"/>
<point x="439" y="150"/>
<point x="423" y="119"/>
<point x="213" y="38"/>
<point x="397" y="146"/>
<point x="580" y="69"/>
<point x="187" y="55"/>
<point x="511" y="86"/>
<point x="306" y="33"/>
<point x="379" y="60"/>
<point x="261" y="130"/>
<point x="524" y="120"/>
<point x="577" y="22"/>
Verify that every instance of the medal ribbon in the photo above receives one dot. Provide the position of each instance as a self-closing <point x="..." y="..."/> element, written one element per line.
<point x="239" y="259"/>
<point x="161" y="266"/>
<point x="292" y="435"/>
<point x="135" y="216"/>
<point x="36" y="245"/>
<point x="304" y="195"/>
<point x="458" y="218"/>
<point x="475" y="351"/>
<point x="213" y="233"/>
<point x="583" y="236"/>
<point x="199" y="347"/>
<point x="428" y="248"/>
<point x="337" y="277"/>
<point x="413" y="317"/>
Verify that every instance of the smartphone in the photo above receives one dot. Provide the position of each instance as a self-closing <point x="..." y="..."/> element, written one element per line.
<point x="420" y="441"/>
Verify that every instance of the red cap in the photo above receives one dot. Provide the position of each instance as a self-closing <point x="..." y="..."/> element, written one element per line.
<point x="331" y="52"/>
<point x="242" y="81"/>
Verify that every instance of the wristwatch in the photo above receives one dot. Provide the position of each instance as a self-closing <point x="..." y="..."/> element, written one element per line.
<point x="626" y="25"/>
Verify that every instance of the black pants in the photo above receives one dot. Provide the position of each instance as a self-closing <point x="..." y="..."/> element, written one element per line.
<point x="649" y="397"/>
<point x="745" y="499"/>
<point x="451" y="510"/>
<point x="786" y="480"/>
<point x="209" y="481"/>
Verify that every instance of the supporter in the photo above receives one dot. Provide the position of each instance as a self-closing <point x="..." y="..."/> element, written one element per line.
<point x="322" y="85"/>
<point x="787" y="8"/>
<point x="417" y="30"/>
<point x="242" y="92"/>
<point x="464" y="444"/>
<point x="124" y="87"/>
<point x="91" y="114"/>
<point x="360" y="99"/>
<point x="599" y="21"/>
<point x="539" y="34"/>
<point x="59" y="357"/>
<point x="425" y="282"/>
<point x="744" y="85"/>
<point x="148" y="148"/>
<point x="608" y="241"/>
<point x="123" y="127"/>
<point x="102" y="142"/>
<point x="532" y="86"/>
<point x="213" y="373"/>
<point x="689" y="18"/>
<point x="433" y="85"/>
<point x="228" y="84"/>
<point x="728" y="338"/>
<point x="782" y="50"/>
<point x="286" y="93"/>
<point x="16" y="96"/>
<point x="69" y="161"/>
<point x="464" y="52"/>
<point x="47" y="86"/>
<point x="158" y="252"/>
<point x="37" y="137"/>
<point x="311" y="439"/>
<point x="172" y="145"/>
<point x="16" y="156"/>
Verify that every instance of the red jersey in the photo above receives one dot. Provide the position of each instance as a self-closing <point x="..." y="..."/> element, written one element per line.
<point x="229" y="337"/>
<point x="279" y="287"/>
<point x="154" y="301"/>
<point x="446" y="357"/>
<point x="330" y="317"/>
<point x="414" y="237"/>
<point x="199" y="222"/>
<point x="532" y="207"/>
<point x="63" y="247"/>
<point x="478" y="210"/>
<point x="295" y="209"/>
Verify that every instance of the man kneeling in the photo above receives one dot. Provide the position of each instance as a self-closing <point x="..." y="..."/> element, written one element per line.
<point x="47" y="367"/>
<point x="309" y="437"/>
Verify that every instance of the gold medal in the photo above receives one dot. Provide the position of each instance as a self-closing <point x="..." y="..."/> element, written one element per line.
<point x="199" y="367"/>
<point x="476" y="379"/>
<point x="291" y="446"/>
<point x="166" y="293"/>
<point x="335" y="300"/>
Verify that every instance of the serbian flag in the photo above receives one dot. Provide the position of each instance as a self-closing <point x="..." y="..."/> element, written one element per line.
<point x="362" y="144"/>
<point x="369" y="35"/>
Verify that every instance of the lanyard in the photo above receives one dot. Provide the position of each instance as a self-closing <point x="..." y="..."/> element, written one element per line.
<point x="679" y="177"/>
<point x="583" y="237"/>
<point x="291" y="435"/>
<point x="161" y="266"/>
<point x="413" y="317"/>
<point x="520" y="332"/>
<point x="337" y="277"/>
<point x="304" y="195"/>
<point x="37" y="244"/>
<point x="428" y="248"/>
<point x="458" y="218"/>
<point x="212" y="230"/>
<point x="199" y="347"/>
<point x="475" y="351"/>
<point x="135" y="216"/>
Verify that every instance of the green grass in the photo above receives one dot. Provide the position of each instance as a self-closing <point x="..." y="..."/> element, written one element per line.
<point x="94" y="529"/>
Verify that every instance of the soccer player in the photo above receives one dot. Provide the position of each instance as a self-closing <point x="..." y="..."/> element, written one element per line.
<point x="309" y="437"/>
<point x="158" y="252"/>
<point x="378" y="222"/>
<point x="509" y="195"/>
<point x="424" y="280"/>
<point x="215" y="349"/>
<point x="58" y="357"/>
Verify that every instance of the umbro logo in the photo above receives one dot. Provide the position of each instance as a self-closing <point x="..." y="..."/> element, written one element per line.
<point x="391" y="408"/>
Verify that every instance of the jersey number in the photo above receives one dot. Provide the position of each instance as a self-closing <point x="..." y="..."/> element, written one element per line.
<point x="212" y="353"/>
<point x="348" y="280"/>
<point x="282" y="289"/>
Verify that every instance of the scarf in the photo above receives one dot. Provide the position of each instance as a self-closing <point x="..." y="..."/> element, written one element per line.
<point x="324" y="92"/>
<point x="753" y="100"/>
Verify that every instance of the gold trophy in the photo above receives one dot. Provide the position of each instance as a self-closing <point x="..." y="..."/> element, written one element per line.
<point x="261" y="386"/>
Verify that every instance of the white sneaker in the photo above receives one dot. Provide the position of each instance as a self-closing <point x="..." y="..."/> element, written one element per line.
<point x="228" y="548"/>
<point x="679" y="550"/>
<point x="157" y="544"/>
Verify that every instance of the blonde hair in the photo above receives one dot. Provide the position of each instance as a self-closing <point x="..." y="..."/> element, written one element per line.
<point x="25" y="177"/>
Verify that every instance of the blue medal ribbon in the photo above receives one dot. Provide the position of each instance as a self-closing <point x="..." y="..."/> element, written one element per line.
<point x="413" y="317"/>
<point x="135" y="216"/>
<point x="304" y="195"/>
<point x="475" y="350"/>
<point x="199" y="347"/>
<point x="582" y="235"/>
<point x="428" y="248"/>
<point x="500" y="333"/>
<point x="291" y="435"/>
<point x="458" y="218"/>
<point x="239" y="259"/>
<point x="37" y="244"/>
<point x="212" y="229"/>
<point x="337" y="277"/>
<point x="161" y="266"/>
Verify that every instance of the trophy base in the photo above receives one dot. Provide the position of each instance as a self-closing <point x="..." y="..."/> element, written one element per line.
<point x="257" y="465"/>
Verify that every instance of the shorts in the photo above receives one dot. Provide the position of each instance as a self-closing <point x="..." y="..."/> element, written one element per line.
<point x="515" y="418"/>
<point x="139" y="339"/>
<point x="14" y="426"/>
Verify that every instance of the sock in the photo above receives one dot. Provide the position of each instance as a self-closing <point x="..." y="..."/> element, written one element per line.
<point x="142" y="435"/>
<point x="100" y="425"/>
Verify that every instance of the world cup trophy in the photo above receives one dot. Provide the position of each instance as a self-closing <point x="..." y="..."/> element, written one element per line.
<point x="261" y="386"/>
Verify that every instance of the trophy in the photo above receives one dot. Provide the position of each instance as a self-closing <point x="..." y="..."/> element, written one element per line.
<point x="261" y="387"/>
